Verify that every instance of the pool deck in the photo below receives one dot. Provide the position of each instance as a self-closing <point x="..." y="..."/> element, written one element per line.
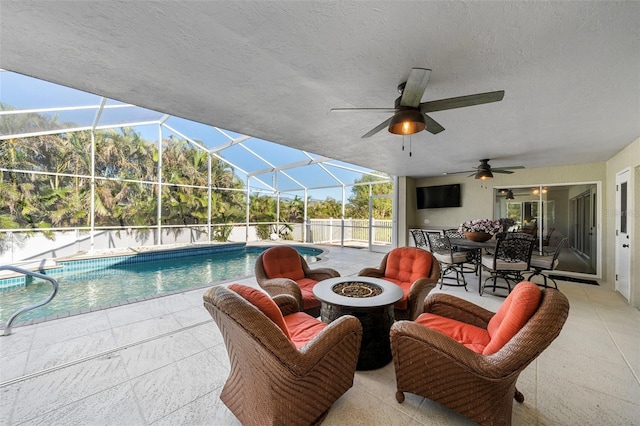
<point x="163" y="362"/>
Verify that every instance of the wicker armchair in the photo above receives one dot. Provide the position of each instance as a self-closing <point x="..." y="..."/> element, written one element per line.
<point x="415" y="270"/>
<point x="280" y="380"/>
<point x="480" y="386"/>
<point x="281" y="270"/>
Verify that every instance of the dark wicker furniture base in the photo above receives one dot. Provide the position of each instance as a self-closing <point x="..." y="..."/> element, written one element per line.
<point x="375" y="350"/>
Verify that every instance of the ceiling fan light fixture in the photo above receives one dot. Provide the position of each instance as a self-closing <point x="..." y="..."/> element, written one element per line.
<point x="484" y="174"/>
<point x="407" y="122"/>
<point x="510" y="195"/>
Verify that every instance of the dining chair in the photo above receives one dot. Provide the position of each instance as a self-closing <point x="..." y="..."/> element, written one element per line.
<point x="541" y="263"/>
<point x="472" y="258"/>
<point x="547" y="238"/>
<point x="511" y="257"/>
<point x="419" y="239"/>
<point x="452" y="261"/>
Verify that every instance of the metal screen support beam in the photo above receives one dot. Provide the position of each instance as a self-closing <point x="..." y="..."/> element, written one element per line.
<point x="344" y="197"/>
<point x="370" y="217"/>
<point x="92" y="219"/>
<point x="305" y="236"/>
<point x="159" y="213"/>
<point x="395" y="231"/>
<point x="275" y="185"/>
<point x="246" y="228"/>
<point x="209" y="201"/>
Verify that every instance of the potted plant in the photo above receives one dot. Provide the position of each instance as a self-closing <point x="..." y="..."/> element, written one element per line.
<point x="480" y="229"/>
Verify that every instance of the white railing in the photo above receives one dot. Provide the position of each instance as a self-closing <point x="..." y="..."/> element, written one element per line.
<point x="24" y="245"/>
<point x="330" y="231"/>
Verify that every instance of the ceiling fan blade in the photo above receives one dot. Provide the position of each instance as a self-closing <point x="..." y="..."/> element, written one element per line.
<point x="415" y="87"/>
<point x="387" y="110"/>
<point x="432" y="125"/>
<point x="461" y="172"/>
<point x="377" y="128"/>
<point x="461" y="101"/>
<point x="509" y="168"/>
<point x="506" y="172"/>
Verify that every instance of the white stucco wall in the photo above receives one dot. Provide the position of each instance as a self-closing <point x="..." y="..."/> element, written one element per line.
<point x="477" y="196"/>
<point x="478" y="202"/>
<point x="627" y="158"/>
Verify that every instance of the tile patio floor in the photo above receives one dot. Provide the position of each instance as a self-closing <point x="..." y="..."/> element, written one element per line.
<point x="163" y="362"/>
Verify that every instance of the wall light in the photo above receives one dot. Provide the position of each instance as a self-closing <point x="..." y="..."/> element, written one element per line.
<point x="536" y="191"/>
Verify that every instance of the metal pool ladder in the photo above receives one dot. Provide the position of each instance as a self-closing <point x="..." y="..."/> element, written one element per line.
<point x="54" y="283"/>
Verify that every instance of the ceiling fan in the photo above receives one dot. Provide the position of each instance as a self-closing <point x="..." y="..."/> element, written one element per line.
<point x="485" y="171"/>
<point x="410" y="116"/>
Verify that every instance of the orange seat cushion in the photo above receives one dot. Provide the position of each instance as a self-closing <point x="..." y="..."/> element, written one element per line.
<point x="404" y="266"/>
<point x="264" y="303"/>
<point x="514" y="313"/>
<point x="306" y="288"/>
<point x="282" y="262"/>
<point x="302" y="328"/>
<point x="474" y="338"/>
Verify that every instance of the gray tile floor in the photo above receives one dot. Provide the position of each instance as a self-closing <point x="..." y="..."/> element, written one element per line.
<point x="163" y="362"/>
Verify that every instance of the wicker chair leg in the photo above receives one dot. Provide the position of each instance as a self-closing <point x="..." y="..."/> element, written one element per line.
<point x="320" y="419"/>
<point x="518" y="396"/>
<point x="400" y="397"/>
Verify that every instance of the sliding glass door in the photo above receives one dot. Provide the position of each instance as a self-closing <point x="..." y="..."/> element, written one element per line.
<point x="552" y="212"/>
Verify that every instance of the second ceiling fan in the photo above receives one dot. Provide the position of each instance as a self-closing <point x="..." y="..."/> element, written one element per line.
<point x="410" y="115"/>
<point x="485" y="171"/>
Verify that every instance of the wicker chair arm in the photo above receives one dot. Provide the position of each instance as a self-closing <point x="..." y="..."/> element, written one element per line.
<point x="371" y="272"/>
<point x="418" y="291"/>
<point x="320" y="274"/>
<point x="341" y="337"/>
<point x="276" y="286"/>
<point x="426" y="343"/>
<point x="287" y="303"/>
<point x="317" y="274"/>
<point x="459" y="309"/>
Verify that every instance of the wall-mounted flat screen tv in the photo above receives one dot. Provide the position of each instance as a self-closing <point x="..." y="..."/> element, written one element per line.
<point x="435" y="197"/>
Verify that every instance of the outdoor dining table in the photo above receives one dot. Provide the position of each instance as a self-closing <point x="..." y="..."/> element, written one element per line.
<point x="476" y="247"/>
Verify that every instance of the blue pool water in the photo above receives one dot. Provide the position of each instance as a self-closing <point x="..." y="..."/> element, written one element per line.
<point x="83" y="291"/>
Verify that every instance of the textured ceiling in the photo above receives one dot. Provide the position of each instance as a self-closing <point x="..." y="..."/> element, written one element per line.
<point x="570" y="70"/>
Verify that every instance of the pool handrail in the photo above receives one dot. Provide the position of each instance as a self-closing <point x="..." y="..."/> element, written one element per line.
<point x="54" y="283"/>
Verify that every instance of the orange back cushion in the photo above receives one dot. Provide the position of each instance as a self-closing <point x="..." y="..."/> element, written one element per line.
<point x="263" y="302"/>
<point x="282" y="262"/>
<point x="407" y="264"/>
<point x="514" y="313"/>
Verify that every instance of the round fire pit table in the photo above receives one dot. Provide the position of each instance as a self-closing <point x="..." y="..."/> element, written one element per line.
<point x="370" y="300"/>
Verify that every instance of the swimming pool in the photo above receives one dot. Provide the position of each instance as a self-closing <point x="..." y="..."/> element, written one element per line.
<point x="83" y="290"/>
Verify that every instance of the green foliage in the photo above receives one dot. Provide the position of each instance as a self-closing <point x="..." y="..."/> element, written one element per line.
<point x="358" y="207"/>
<point x="126" y="188"/>
<point x="325" y="209"/>
<point x="45" y="201"/>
